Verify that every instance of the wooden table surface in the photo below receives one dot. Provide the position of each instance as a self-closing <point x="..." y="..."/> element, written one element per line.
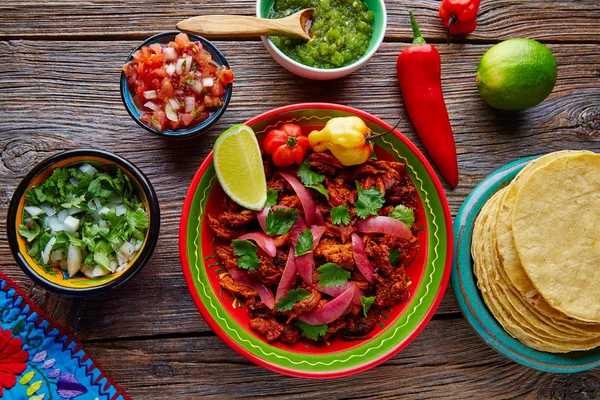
<point x="59" y="89"/>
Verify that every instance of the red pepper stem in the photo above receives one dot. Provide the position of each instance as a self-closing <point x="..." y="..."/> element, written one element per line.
<point x="452" y="20"/>
<point x="291" y="141"/>
<point x="416" y="31"/>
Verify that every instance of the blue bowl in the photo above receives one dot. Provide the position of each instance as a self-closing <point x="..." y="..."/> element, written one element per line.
<point x="469" y="298"/>
<point x="165" y="38"/>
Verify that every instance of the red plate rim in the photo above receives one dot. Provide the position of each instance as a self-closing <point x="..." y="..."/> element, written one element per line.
<point x="183" y="226"/>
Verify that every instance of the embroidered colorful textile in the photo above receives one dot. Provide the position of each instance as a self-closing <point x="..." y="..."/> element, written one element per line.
<point x="40" y="360"/>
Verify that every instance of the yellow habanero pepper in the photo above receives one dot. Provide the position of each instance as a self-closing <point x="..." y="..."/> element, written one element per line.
<point x="345" y="137"/>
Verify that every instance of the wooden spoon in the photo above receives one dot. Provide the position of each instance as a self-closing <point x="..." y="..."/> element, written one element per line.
<point x="237" y="26"/>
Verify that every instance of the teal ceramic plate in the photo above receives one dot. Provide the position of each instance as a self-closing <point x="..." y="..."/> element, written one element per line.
<point x="470" y="300"/>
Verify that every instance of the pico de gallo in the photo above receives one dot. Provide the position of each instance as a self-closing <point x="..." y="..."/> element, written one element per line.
<point x="176" y="85"/>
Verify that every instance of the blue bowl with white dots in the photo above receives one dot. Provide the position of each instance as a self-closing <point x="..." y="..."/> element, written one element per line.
<point x="196" y="130"/>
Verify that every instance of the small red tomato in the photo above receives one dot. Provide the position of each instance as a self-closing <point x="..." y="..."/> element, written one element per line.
<point x="286" y="145"/>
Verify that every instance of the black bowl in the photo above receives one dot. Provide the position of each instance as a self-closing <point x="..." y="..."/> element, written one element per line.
<point x="40" y="172"/>
<point x="196" y="130"/>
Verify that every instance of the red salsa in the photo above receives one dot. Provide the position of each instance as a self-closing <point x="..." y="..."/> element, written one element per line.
<point x="176" y="85"/>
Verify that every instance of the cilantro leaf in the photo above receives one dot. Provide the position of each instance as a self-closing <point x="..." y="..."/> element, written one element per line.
<point x="291" y="298"/>
<point x="137" y="219"/>
<point x="74" y="202"/>
<point x="280" y="221"/>
<point x="321" y="189"/>
<point x="394" y="257"/>
<point x="271" y="198"/>
<point x="367" y="302"/>
<point x="331" y="275"/>
<point x="340" y="215"/>
<point x="101" y="252"/>
<point x="313" y="332"/>
<point x="304" y="243"/>
<point x="403" y="214"/>
<point x="308" y="176"/>
<point x="247" y="254"/>
<point x="31" y="232"/>
<point x="368" y="202"/>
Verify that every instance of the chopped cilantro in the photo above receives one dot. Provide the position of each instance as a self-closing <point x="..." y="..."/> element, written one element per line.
<point x="31" y="232"/>
<point x="247" y="254"/>
<point x="331" y="275"/>
<point x="340" y="215"/>
<point x="368" y="202"/>
<point x="321" y="189"/>
<point x="403" y="214"/>
<point x="308" y="176"/>
<point x="290" y="299"/>
<point x="366" y="303"/>
<point x="313" y="332"/>
<point x="271" y="198"/>
<point x="280" y="221"/>
<point x="304" y="243"/>
<point x="394" y="257"/>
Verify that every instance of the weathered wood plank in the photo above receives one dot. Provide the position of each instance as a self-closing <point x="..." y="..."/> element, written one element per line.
<point x="68" y="97"/>
<point x="556" y="21"/>
<point x="448" y="360"/>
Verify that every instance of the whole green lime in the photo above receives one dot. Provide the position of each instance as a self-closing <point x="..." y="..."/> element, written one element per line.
<point x="516" y="74"/>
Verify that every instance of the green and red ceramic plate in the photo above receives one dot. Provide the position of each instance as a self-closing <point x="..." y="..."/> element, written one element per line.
<point x="398" y="326"/>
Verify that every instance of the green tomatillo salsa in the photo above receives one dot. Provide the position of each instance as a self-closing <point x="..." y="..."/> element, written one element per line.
<point x="341" y="31"/>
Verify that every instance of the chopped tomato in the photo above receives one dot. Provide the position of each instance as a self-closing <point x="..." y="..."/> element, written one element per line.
<point x="161" y="73"/>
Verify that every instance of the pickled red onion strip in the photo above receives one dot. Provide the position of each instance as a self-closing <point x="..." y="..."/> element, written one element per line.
<point x="337" y="290"/>
<point x="384" y="225"/>
<point x="360" y="258"/>
<point x="264" y="293"/>
<point x="265" y="242"/>
<point x="287" y="277"/>
<point x="331" y="310"/>
<point x="308" y="205"/>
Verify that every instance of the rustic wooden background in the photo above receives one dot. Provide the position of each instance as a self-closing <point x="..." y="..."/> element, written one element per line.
<point x="59" y="89"/>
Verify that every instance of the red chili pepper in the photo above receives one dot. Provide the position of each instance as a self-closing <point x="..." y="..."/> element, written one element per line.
<point x="419" y="75"/>
<point x="459" y="16"/>
<point x="286" y="144"/>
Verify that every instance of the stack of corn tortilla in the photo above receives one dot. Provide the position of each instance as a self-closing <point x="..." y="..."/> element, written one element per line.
<point x="536" y="253"/>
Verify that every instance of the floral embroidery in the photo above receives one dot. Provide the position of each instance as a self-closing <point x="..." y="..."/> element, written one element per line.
<point x="12" y="359"/>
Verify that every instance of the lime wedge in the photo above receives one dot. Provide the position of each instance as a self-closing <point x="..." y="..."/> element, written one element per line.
<point x="239" y="167"/>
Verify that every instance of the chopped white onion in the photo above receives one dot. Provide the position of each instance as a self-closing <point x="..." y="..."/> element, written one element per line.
<point x="92" y="205"/>
<point x="196" y="87"/>
<point x="179" y="66"/>
<point x="190" y="104"/>
<point x="151" y="106"/>
<point x="113" y="266"/>
<point x="188" y="64"/>
<point x="121" y="258"/>
<point x="127" y="249"/>
<point x="87" y="168"/>
<point x="138" y="244"/>
<point x="73" y="260"/>
<point x="150" y="94"/>
<point x="122" y="267"/>
<point x="71" y="224"/>
<point x="98" y="204"/>
<point x="104" y="210"/>
<point x="74" y="182"/>
<point x="48" y="249"/>
<point x="171" y="114"/>
<point x="170" y="53"/>
<point x="102" y="223"/>
<point x="73" y="210"/>
<point x="207" y="82"/>
<point x="54" y="224"/>
<point x="33" y="210"/>
<point x="62" y="215"/>
<point x="56" y="256"/>
<point x="99" y="271"/>
<point x="48" y="210"/>
<point x="171" y="69"/>
<point x="120" y="210"/>
<point x="174" y="104"/>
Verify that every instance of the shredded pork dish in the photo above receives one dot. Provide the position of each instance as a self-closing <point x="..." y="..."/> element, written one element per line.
<point x="328" y="252"/>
